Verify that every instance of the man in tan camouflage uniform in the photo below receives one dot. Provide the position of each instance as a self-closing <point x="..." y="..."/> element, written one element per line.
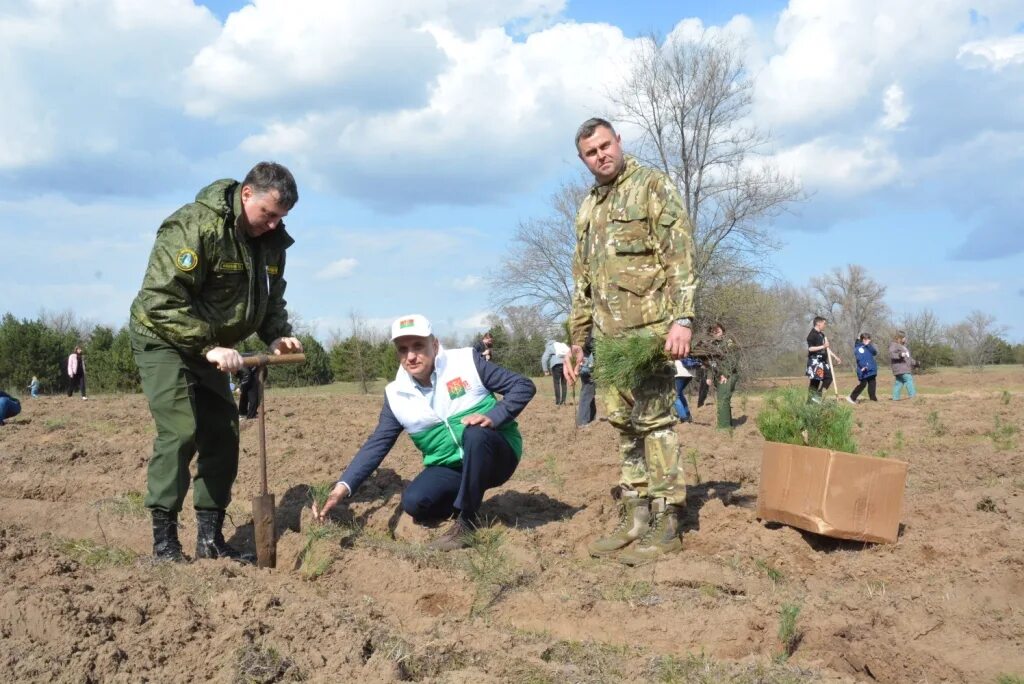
<point x="215" y="276"/>
<point x="633" y="273"/>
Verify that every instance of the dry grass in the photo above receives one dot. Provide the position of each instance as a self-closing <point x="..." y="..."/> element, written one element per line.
<point x="90" y="553"/>
<point x="262" y="664"/>
<point x="127" y="505"/>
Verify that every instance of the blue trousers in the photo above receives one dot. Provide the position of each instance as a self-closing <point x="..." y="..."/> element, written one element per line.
<point x="682" y="408"/>
<point x="899" y="382"/>
<point x="436" y="493"/>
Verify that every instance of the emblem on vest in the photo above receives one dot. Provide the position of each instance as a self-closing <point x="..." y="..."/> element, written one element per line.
<point x="457" y="388"/>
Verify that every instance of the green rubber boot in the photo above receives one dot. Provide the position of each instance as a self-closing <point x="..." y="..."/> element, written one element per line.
<point x="663" y="537"/>
<point x="634" y="522"/>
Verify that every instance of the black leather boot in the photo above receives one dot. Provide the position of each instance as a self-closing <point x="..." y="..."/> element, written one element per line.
<point x="166" y="546"/>
<point x="210" y="540"/>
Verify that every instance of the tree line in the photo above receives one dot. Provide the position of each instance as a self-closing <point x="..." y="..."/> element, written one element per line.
<point x="40" y="347"/>
<point x="769" y="324"/>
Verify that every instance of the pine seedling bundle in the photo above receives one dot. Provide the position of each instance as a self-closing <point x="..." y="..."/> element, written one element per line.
<point x="625" y="362"/>
<point x="788" y="417"/>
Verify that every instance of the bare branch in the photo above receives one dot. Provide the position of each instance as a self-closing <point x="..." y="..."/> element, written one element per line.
<point x="690" y="99"/>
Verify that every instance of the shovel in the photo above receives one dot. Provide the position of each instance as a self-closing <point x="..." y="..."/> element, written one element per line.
<point x="263" y="505"/>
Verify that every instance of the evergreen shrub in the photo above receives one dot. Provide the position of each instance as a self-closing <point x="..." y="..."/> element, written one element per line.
<point x="788" y="418"/>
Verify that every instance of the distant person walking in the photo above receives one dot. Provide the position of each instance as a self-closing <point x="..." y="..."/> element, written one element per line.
<point x="902" y="363"/>
<point x="819" y="366"/>
<point x="76" y="372"/>
<point x="864" y="353"/>
<point x="586" y="412"/>
<point x="9" y="406"/>
<point x="552" y="363"/>
<point x="33" y="387"/>
<point x="725" y="375"/>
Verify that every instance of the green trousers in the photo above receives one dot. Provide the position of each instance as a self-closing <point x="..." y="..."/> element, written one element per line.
<point x="723" y="400"/>
<point x="648" y="445"/>
<point x="194" y="412"/>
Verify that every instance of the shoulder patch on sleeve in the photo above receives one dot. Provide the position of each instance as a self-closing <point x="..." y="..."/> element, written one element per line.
<point x="186" y="260"/>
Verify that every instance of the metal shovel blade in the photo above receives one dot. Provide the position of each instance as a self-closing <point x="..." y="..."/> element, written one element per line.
<point x="263" y="524"/>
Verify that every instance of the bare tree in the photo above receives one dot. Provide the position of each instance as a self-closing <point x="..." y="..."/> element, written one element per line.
<point x="690" y="99"/>
<point x="66" y="322"/>
<point x="975" y="339"/>
<point x="851" y="300"/>
<point x="537" y="272"/>
<point x="923" y="328"/>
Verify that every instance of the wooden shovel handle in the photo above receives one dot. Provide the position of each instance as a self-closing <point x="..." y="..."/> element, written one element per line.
<point x="257" y="360"/>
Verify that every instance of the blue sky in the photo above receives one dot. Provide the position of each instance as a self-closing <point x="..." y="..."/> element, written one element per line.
<point x="422" y="131"/>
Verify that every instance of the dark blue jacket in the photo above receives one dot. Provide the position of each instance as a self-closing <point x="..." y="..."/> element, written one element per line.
<point x="865" y="355"/>
<point x="9" y="406"/>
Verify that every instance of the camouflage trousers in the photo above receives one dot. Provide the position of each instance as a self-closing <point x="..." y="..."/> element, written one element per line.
<point x="648" y="445"/>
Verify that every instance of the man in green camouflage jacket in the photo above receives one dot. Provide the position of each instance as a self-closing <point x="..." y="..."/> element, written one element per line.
<point x="633" y="273"/>
<point x="215" y="276"/>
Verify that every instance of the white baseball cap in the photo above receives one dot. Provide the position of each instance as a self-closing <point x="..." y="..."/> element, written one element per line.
<point x="413" y="324"/>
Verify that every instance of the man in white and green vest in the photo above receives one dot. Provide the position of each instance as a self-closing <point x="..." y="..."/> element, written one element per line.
<point x="444" y="399"/>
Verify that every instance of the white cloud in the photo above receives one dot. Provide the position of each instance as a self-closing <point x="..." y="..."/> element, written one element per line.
<point x="994" y="53"/>
<point x="823" y="163"/>
<point x="896" y="111"/>
<point x="832" y="56"/>
<point x="944" y="292"/>
<point x="342" y="268"/>
<point x="476" y="322"/>
<point x="499" y="116"/>
<point x="95" y="80"/>
<point x="470" y="282"/>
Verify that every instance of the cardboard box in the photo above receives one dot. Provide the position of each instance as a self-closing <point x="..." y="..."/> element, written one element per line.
<point x="832" y="492"/>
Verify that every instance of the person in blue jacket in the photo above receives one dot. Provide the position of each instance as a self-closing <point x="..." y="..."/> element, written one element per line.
<point x="867" y="368"/>
<point x="9" y="406"/>
<point x="445" y="399"/>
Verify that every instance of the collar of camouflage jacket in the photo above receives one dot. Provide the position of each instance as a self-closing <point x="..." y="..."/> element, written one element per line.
<point x="628" y="169"/>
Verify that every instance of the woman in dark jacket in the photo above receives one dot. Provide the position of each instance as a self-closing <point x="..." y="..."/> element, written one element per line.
<point x="867" y="368"/>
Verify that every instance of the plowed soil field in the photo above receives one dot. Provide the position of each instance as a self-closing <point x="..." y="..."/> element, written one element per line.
<point x="362" y="599"/>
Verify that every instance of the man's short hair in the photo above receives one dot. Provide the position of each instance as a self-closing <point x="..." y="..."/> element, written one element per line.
<point x="865" y="336"/>
<point x="267" y="176"/>
<point x="716" y="326"/>
<point x="588" y="127"/>
<point x="817" y="320"/>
